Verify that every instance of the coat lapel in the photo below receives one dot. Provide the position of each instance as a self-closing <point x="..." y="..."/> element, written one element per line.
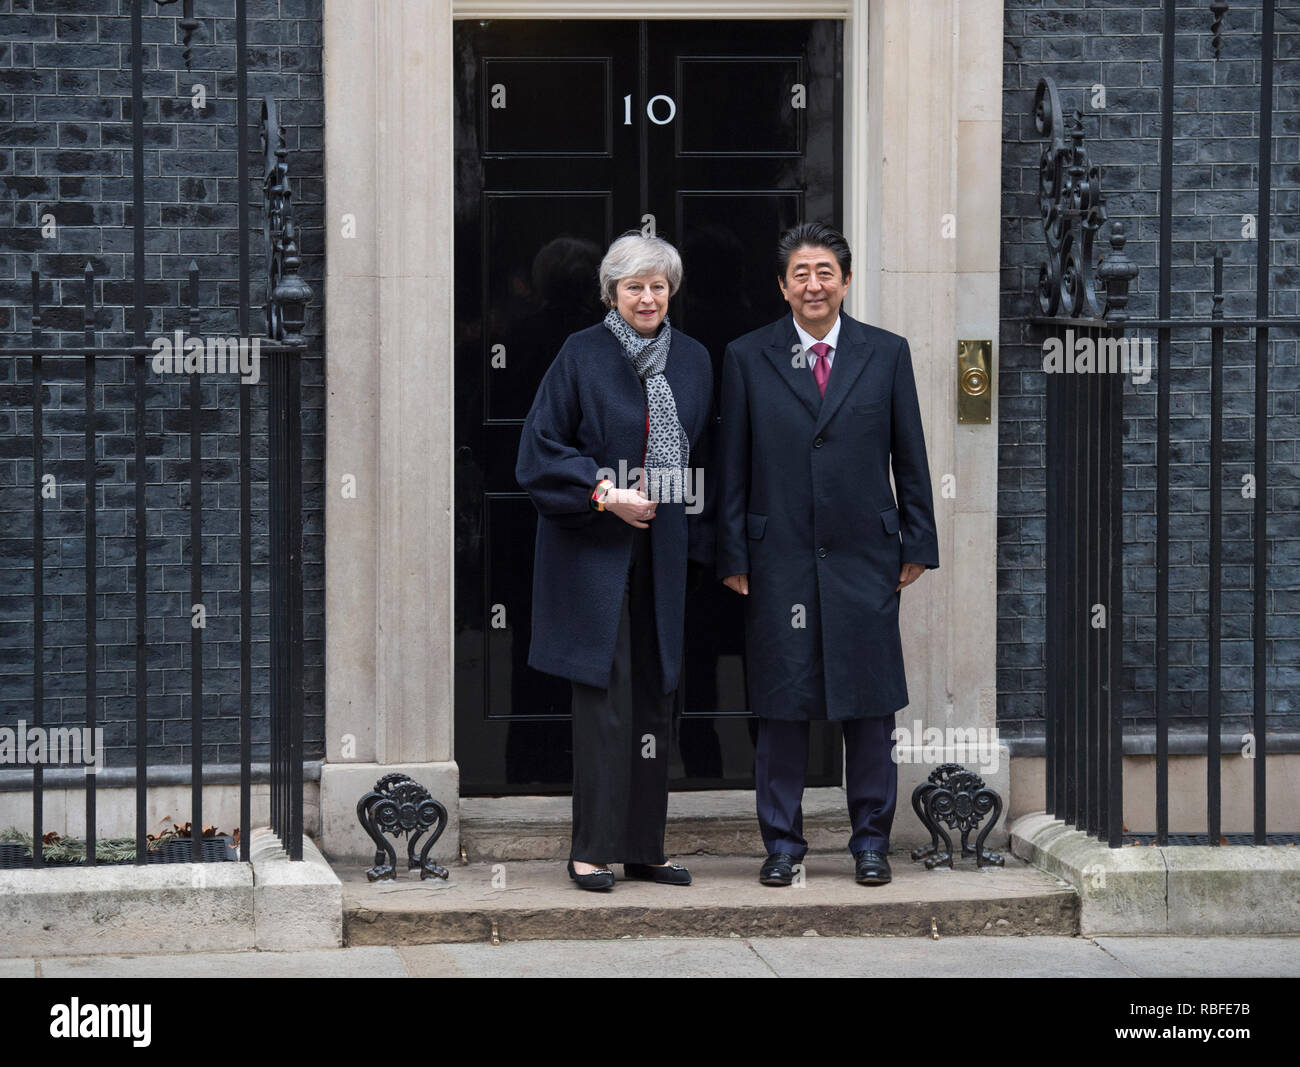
<point x="800" y="379"/>
<point x="851" y="357"/>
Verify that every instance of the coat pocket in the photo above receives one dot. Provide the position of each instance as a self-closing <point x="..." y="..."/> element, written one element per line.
<point x="889" y="517"/>
<point x="755" y="525"/>
<point x="871" y="409"/>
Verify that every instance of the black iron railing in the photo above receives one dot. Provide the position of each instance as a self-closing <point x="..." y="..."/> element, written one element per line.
<point x="280" y="350"/>
<point x="1084" y="649"/>
<point x="280" y="374"/>
<point x="1084" y="725"/>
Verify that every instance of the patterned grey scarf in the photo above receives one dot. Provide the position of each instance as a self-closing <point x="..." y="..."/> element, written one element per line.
<point x="668" y="450"/>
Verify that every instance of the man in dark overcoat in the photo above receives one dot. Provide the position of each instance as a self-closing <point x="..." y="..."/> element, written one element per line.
<point x="817" y="408"/>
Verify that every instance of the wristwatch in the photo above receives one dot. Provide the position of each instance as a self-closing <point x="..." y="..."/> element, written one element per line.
<point x="600" y="492"/>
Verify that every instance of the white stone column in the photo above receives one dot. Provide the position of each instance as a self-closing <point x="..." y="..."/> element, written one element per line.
<point x="388" y="550"/>
<point x="930" y="163"/>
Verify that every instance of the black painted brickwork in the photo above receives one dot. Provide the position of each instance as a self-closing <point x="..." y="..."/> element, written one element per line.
<point x="1117" y="45"/>
<point x="65" y="151"/>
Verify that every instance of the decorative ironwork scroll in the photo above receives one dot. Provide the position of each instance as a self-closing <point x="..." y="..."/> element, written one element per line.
<point x="400" y="805"/>
<point x="286" y="293"/>
<point x="1071" y="285"/>
<point x="1218" y="9"/>
<point x="960" y="799"/>
<point x="188" y="24"/>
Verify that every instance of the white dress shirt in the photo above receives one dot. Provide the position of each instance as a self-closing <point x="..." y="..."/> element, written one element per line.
<point x="808" y="340"/>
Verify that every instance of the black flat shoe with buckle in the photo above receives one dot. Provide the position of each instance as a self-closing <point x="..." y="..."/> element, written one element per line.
<point x="668" y="874"/>
<point x="600" y="878"/>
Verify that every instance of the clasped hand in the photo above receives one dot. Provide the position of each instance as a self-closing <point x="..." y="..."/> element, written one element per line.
<point x="632" y="506"/>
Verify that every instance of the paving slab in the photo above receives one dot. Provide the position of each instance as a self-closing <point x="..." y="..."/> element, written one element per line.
<point x="370" y="962"/>
<point x="625" y="958"/>
<point x="1207" y="957"/>
<point x="667" y="957"/>
<point x="789" y="957"/>
<point x="949" y="957"/>
<point x="536" y="900"/>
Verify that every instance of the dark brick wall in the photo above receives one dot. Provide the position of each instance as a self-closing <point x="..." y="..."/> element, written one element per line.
<point x="65" y="151"/>
<point x="1117" y="44"/>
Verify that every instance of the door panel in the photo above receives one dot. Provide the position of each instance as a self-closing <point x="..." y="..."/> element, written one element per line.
<point x="567" y="134"/>
<point x="572" y="116"/>
<point x="540" y="254"/>
<point x="738" y="107"/>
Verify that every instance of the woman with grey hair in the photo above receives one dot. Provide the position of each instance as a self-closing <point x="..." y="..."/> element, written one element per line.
<point x="611" y="455"/>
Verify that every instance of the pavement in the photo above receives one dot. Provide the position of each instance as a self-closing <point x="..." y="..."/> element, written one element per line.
<point x="730" y="957"/>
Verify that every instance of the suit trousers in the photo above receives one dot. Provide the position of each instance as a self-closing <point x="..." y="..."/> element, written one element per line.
<point x="620" y="776"/>
<point x="870" y="780"/>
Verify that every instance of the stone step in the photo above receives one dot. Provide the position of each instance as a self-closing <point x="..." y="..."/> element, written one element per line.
<point x="524" y="900"/>
<point x="721" y="823"/>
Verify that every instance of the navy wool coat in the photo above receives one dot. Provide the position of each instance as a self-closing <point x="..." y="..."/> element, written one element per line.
<point x="590" y="413"/>
<point x="806" y="510"/>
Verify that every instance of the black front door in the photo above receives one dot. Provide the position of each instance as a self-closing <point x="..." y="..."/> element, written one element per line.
<point x="714" y="135"/>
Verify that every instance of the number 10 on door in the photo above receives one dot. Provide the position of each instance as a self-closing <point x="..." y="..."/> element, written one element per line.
<point x="654" y="108"/>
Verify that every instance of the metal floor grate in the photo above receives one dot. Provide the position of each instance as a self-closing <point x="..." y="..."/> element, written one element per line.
<point x="1203" y="839"/>
<point x="14" y="856"/>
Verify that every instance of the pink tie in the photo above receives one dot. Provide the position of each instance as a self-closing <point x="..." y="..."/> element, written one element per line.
<point x="821" y="369"/>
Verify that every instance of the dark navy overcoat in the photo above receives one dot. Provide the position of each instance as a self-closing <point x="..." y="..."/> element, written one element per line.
<point x="806" y="510"/>
<point x="590" y="413"/>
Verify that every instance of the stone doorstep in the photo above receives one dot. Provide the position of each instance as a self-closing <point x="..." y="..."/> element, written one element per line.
<point x="271" y="903"/>
<point x="721" y="822"/>
<point x="536" y="900"/>
<point x="1178" y="889"/>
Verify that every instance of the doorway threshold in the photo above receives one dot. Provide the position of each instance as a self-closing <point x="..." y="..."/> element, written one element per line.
<point x="718" y="822"/>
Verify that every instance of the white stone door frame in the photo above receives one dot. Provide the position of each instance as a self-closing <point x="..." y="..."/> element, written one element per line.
<point x="911" y="125"/>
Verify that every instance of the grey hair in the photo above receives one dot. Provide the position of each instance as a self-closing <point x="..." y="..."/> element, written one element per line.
<point x="632" y="255"/>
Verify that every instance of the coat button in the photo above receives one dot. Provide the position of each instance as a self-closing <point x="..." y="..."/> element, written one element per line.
<point x="821" y="553"/>
<point x="817" y="443"/>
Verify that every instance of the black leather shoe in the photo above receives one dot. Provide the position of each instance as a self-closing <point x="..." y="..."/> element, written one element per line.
<point x="777" y="869"/>
<point x="670" y="874"/>
<point x="600" y="878"/>
<point x="872" y="867"/>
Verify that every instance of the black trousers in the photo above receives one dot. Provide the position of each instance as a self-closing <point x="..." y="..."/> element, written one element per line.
<point x="621" y="737"/>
